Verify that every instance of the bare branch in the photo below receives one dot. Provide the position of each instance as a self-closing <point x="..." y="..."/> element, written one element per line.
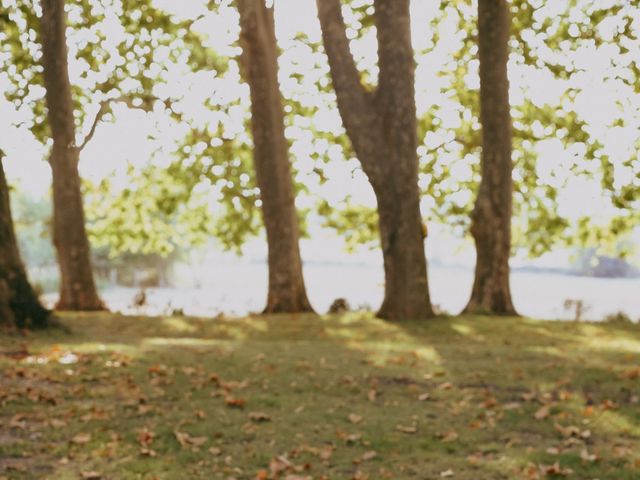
<point x="101" y="111"/>
<point x="140" y="103"/>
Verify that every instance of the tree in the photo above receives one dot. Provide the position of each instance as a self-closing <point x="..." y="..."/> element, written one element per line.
<point x="19" y="305"/>
<point x="77" y="286"/>
<point x="381" y="125"/>
<point x="133" y="44"/>
<point x="491" y="217"/>
<point x="260" y="67"/>
<point x="549" y="42"/>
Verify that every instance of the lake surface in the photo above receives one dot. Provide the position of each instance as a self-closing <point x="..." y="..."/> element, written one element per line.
<point x="237" y="288"/>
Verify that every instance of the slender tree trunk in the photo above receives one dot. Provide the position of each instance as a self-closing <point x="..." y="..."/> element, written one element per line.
<point x="260" y="67"/>
<point x="77" y="286"/>
<point x="491" y="217"/>
<point x="19" y="305"/>
<point x="382" y="128"/>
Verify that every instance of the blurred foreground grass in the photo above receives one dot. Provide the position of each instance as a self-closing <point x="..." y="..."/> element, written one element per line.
<point x="339" y="397"/>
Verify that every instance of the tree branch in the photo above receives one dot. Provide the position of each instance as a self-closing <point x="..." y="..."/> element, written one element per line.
<point x="101" y="111"/>
<point x="354" y="101"/>
<point x="146" y="105"/>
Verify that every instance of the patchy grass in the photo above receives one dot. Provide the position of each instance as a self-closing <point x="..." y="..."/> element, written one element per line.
<point x="343" y="397"/>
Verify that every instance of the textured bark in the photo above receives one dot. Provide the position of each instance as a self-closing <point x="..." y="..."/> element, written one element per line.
<point x="77" y="286"/>
<point x="19" y="305"/>
<point x="260" y="68"/>
<point x="491" y="217"/>
<point x="382" y="128"/>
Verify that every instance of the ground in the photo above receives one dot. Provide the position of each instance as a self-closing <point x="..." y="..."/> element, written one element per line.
<point x="337" y="397"/>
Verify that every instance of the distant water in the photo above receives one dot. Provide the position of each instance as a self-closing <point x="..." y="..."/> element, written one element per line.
<point x="239" y="288"/>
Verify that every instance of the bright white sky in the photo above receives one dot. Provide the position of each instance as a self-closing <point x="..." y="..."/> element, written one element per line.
<point x="126" y="140"/>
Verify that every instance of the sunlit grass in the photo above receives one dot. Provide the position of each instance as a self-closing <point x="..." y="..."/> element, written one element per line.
<point x="336" y="397"/>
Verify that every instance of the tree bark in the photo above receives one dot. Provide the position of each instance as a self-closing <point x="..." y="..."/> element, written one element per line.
<point x="19" y="305"/>
<point x="287" y="293"/>
<point x="491" y="217"/>
<point x="382" y="128"/>
<point x="77" y="286"/>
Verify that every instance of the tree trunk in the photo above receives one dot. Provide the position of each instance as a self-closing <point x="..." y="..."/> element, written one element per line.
<point x="382" y="128"/>
<point x="77" y="286"/>
<point x="491" y="217"/>
<point x="19" y="305"/>
<point x="287" y="292"/>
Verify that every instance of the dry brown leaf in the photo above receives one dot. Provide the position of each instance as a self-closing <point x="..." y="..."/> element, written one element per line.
<point x="91" y="476"/>
<point x="355" y="418"/>
<point x="148" y="452"/>
<point x="259" y="417"/>
<point x="370" y="455"/>
<point x="326" y="452"/>
<point x="450" y="436"/>
<point x="403" y="429"/>
<point x="542" y="413"/>
<point x="588" y="457"/>
<point x="184" y="439"/>
<point x="57" y="423"/>
<point x="372" y="395"/>
<point x="555" y="469"/>
<point x="81" y="438"/>
<point x="279" y="465"/>
<point x="235" y="402"/>
<point x="424" y="396"/>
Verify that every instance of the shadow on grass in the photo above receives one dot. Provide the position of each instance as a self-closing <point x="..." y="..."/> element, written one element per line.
<point x="459" y="394"/>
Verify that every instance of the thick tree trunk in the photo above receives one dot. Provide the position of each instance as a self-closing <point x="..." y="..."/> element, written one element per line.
<point x="382" y="128"/>
<point x="491" y="218"/>
<point x="77" y="286"/>
<point x="260" y="67"/>
<point x="19" y="305"/>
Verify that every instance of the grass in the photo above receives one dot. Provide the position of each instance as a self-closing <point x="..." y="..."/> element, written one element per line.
<point x="338" y="397"/>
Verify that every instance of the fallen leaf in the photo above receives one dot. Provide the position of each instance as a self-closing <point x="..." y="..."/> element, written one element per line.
<point x="404" y="429"/>
<point x="450" y="436"/>
<point x="355" y="418"/>
<point x="447" y="474"/>
<point x="259" y="417"/>
<point x="148" y="452"/>
<point x="184" y="439"/>
<point x="279" y="464"/>
<point x="235" y="402"/>
<point x="372" y="395"/>
<point x="424" y="396"/>
<point x="91" y="476"/>
<point x="542" y="413"/>
<point x="588" y="457"/>
<point x="57" y="423"/>
<point x="370" y="455"/>
<point x="555" y="469"/>
<point x="81" y="438"/>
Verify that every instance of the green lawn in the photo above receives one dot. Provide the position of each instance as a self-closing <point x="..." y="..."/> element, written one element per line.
<point x="341" y="397"/>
